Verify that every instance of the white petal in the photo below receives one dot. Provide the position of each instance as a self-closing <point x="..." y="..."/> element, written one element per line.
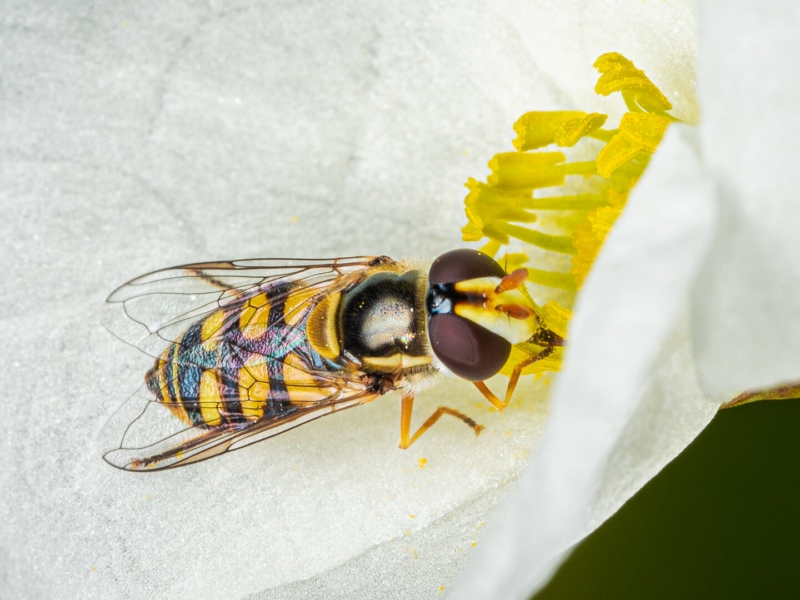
<point x="162" y="137"/>
<point x="626" y="402"/>
<point x="747" y="301"/>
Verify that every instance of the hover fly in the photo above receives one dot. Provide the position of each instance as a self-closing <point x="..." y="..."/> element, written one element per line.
<point x="245" y="350"/>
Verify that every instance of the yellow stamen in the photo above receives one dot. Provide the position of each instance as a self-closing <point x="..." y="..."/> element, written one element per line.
<point x="618" y="74"/>
<point x="539" y="196"/>
<point x="639" y="133"/>
<point x="572" y="131"/>
<point x="538" y="129"/>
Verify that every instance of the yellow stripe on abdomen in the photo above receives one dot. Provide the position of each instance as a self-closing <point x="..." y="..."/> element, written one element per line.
<point x="296" y="305"/>
<point x="211" y="326"/>
<point x="210" y="399"/>
<point x="301" y="385"/>
<point x="166" y="395"/>
<point x="254" y="319"/>
<point x="252" y="392"/>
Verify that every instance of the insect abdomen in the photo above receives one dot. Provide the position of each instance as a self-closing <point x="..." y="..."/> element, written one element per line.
<point x="239" y="364"/>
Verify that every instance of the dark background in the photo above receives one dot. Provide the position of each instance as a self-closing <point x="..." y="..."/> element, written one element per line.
<point x="721" y="521"/>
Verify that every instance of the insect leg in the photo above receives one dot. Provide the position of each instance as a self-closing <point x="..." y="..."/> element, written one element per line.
<point x="405" y="421"/>
<point x="512" y="381"/>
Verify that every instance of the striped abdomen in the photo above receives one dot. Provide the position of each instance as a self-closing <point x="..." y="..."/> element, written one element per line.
<point x="248" y="361"/>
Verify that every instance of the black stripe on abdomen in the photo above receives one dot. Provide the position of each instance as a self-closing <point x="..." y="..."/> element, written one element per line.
<point x="278" y="394"/>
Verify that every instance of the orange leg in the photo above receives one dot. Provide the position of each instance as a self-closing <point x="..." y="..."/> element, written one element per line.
<point x="405" y="421"/>
<point x="512" y="381"/>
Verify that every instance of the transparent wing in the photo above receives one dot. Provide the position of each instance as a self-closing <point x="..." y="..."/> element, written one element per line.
<point x="152" y="311"/>
<point x="143" y="419"/>
<point x="163" y="313"/>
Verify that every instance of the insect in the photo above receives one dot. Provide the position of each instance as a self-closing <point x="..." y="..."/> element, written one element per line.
<point x="245" y="350"/>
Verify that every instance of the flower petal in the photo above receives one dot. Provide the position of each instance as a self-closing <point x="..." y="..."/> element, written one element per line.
<point x="746" y="306"/>
<point x="199" y="132"/>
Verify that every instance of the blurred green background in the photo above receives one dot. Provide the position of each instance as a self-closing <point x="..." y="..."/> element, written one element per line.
<point x="721" y="521"/>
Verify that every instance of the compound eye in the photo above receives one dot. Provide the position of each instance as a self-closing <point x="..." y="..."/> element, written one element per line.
<point x="461" y="265"/>
<point x="467" y="349"/>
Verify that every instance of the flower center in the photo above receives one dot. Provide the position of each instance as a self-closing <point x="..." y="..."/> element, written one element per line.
<point x="574" y="202"/>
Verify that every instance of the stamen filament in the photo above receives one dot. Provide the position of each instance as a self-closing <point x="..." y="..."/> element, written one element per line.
<point x="576" y="202"/>
<point x="556" y="243"/>
<point x="553" y="279"/>
<point x="492" y="247"/>
<point x="603" y="135"/>
<point x="499" y="209"/>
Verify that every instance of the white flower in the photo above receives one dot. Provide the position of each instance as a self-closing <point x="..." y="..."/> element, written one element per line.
<point x="711" y="228"/>
<point x="136" y="141"/>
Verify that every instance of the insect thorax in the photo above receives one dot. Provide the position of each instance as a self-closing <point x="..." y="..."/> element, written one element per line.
<point x="379" y="324"/>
